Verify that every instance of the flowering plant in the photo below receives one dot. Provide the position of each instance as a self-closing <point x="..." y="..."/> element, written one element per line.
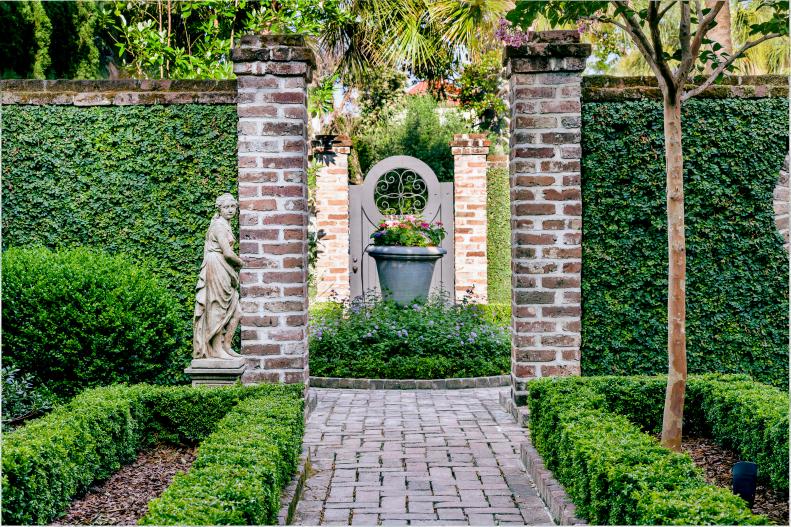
<point x="408" y="231"/>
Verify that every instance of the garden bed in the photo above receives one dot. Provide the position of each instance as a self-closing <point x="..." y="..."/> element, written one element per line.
<point x="374" y="340"/>
<point x="123" y="499"/>
<point x="249" y="445"/>
<point x="593" y="433"/>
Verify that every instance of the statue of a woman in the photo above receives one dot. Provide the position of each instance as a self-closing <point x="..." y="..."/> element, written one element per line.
<point x="217" y="312"/>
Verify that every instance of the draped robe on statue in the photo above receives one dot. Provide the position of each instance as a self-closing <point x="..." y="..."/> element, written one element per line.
<point x="217" y="294"/>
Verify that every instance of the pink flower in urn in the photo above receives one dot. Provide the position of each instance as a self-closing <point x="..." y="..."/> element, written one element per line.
<point x="425" y="225"/>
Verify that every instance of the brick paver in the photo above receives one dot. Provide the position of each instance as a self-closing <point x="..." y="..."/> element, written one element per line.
<point x="422" y="457"/>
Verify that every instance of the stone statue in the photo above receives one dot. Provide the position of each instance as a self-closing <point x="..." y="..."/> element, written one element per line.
<point x="217" y="311"/>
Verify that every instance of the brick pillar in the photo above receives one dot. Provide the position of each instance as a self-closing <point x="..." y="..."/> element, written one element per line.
<point x="272" y="73"/>
<point x="332" y="218"/>
<point x="469" y="208"/>
<point x="546" y="206"/>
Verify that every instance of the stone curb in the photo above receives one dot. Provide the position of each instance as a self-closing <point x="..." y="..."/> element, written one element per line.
<point x="289" y="498"/>
<point x="560" y="506"/>
<point x="410" y="384"/>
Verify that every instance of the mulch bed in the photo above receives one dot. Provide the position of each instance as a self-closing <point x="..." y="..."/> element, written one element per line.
<point x="123" y="498"/>
<point x="717" y="463"/>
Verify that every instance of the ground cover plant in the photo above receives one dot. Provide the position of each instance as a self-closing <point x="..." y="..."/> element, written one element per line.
<point x="79" y="318"/>
<point x="51" y="460"/>
<point x="591" y="433"/>
<point x="737" y="269"/>
<point x="372" y="338"/>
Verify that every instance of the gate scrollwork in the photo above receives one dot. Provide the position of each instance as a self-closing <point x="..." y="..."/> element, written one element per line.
<point x="401" y="191"/>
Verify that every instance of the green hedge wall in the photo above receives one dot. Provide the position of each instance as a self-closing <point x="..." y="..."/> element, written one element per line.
<point x="737" y="270"/>
<point x="136" y="180"/>
<point x="617" y="475"/>
<point x="498" y="235"/>
<point x="49" y="461"/>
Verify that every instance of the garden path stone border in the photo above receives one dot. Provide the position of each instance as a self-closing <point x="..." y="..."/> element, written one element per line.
<point x="550" y="490"/>
<point x="410" y="384"/>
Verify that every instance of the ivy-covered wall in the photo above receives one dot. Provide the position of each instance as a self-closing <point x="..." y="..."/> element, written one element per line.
<point x="137" y="180"/>
<point x="498" y="234"/>
<point x="737" y="270"/>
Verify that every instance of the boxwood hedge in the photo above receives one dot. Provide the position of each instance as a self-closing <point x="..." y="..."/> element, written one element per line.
<point x="49" y="461"/>
<point x="590" y="432"/>
<point x="737" y="270"/>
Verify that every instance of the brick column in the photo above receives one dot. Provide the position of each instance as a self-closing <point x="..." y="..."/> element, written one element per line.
<point x="546" y="206"/>
<point x="469" y="207"/>
<point x="272" y="73"/>
<point x="332" y="218"/>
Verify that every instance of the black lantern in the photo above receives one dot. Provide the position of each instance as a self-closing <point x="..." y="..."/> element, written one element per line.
<point x="744" y="476"/>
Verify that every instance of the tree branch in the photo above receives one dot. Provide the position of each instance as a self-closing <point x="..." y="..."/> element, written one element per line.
<point x="663" y="12"/>
<point x="633" y="29"/>
<point x="659" y="54"/>
<point x="694" y="49"/>
<point x="724" y="65"/>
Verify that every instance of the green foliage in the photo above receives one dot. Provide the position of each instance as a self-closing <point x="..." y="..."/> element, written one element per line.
<point x="51" y="460"/>
<point x="414" y="129"/>
<point x="426" y="340"/>
<point x="616" y="474"/>
<point x="77" y="319"/>
<point x="408" y="231"/>
<point x="498" y="236"/>
<point x="22" y="399"/>
<point x="239" y="470"/>
<point x="480" y="85"/>
<point x="134" y="180"/>
<point x="496" y="313"/>
<point x="737" y="269"/>
<point x="747" y="417"/>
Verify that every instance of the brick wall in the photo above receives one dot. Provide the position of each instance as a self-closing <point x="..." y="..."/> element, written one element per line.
<point x="332" y="218"/>
<point x="272" y="74"/>
<point x="546" y="206"/>
<point x="469" y="204"/>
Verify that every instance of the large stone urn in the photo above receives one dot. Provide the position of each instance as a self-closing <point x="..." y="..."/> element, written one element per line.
<point x="405" y="272"/>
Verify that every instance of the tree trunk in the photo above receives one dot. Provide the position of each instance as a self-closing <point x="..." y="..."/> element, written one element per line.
<point x="676" y="297"/>
<point x="721" y="33"/>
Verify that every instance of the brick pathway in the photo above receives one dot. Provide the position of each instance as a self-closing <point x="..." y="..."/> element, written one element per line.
<point x="420" y="457"/>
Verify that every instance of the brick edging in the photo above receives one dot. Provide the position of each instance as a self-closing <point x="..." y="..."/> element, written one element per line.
<point x="600" y="88"/>
<point x="410" y="384"/>
<point x="558" y="503"/>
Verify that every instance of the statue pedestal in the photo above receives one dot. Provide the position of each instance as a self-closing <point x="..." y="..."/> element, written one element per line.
<point x="215" y="372"/>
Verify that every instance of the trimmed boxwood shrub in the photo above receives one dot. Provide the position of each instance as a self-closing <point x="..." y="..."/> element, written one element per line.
<point x="79" y="318"/>
<point x="379" y="339"/>
<point x="615" y="473"/>
<point x="239" y="469"/>
<point x="49" y="461"/>
<point x="737" y="269"/>
<point x="134" y="180"/>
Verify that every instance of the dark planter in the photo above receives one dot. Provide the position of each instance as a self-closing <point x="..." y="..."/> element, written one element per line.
<point x="405" y="272"/>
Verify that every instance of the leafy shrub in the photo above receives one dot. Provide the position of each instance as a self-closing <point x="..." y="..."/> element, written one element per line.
<point x="134" y="180"/>
<point x="414" y="129"/>
<point x="615" y="473"/>
<point x="22" y="399"/>
<point x="371" y="338"/>
<point x="49" y="461"/>
<point x="239" y="470"/>
<point x="498" y="236"/>
<point x="737" y="269"/>
<point x="745" y="416"/>
<point x="78" y="318"/>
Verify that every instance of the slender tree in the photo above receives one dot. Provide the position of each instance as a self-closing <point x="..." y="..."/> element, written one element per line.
<point x="673" y="67"/>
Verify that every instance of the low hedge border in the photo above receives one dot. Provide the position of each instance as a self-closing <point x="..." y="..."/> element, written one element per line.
<point x="615" y="473"/>
<point x="410" y="384"/>
<point x="239" y="470"/>
<point x="51" y="460"/>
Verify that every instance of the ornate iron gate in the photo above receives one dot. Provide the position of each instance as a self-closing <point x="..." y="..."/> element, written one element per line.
<point x="398" y="185"/>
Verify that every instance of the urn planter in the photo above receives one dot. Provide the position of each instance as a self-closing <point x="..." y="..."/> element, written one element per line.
<point x="405" y="272"/>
